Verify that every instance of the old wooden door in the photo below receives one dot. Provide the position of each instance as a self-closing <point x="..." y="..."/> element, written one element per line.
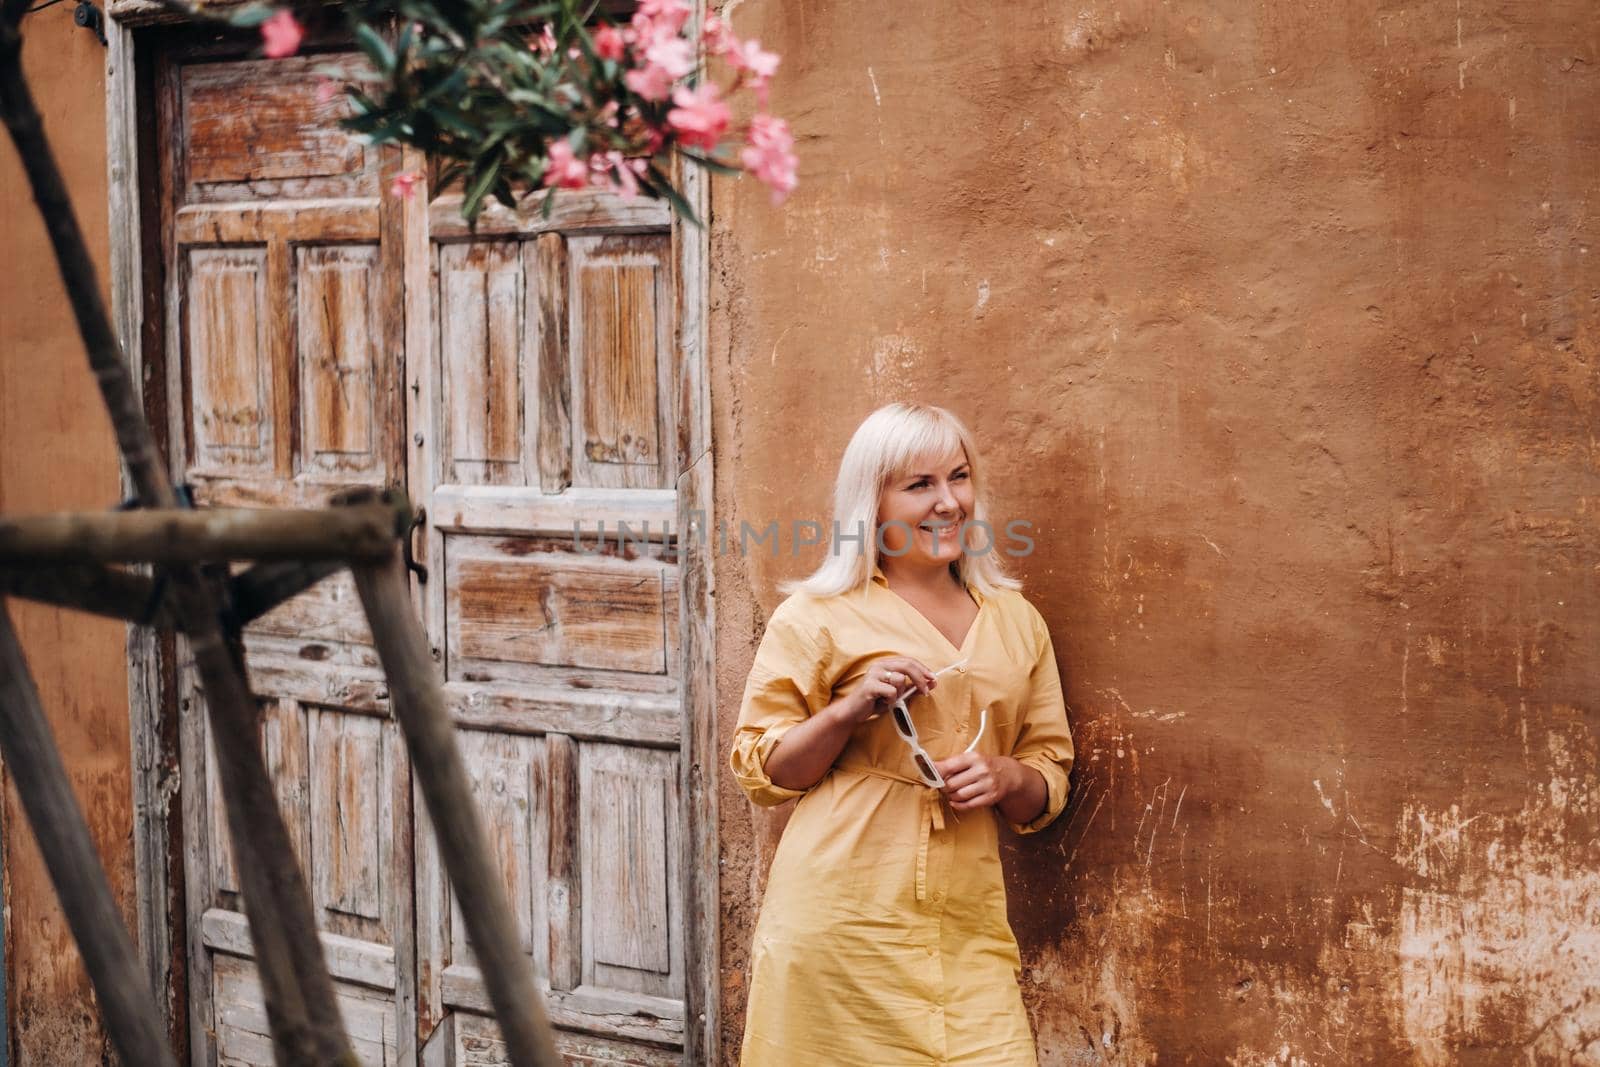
<point x="517" y="380"/>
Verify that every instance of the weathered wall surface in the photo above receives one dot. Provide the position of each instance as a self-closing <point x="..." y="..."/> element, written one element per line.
<point x="1280" y="322"/>
<point x="57" y="453"/>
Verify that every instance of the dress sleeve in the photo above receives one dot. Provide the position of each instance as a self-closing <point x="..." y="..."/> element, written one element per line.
<point x="1045" y="741"/>
<point x="788" y="684"/>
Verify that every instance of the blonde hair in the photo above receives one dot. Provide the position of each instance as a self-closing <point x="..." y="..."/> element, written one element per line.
<point x="886" y="445"/>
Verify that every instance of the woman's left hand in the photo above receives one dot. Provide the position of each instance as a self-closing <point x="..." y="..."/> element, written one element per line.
<point x="973" y="780"/>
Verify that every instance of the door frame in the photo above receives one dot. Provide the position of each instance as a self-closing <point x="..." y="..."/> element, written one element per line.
<point x="138" y="313"/>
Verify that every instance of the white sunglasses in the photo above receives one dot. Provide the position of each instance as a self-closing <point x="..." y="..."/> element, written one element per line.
<point x="908" y="733"/>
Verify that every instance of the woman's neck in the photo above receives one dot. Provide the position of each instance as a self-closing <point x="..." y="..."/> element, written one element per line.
<point x="931" y="578"/>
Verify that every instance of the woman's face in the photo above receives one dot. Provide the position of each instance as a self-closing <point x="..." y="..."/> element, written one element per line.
<point x="932" y="501"/>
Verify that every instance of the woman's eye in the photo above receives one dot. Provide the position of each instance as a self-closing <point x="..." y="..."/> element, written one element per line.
<point x="923" y="484"/>
<point x="963" y="476"/>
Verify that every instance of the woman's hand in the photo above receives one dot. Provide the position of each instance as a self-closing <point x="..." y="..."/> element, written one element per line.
<point x="808" y="750"/>
<point x="973" y="780"/>
<point x="887" y="680"/>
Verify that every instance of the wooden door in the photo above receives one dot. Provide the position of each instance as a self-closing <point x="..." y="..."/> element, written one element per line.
<point x="517" y="380"/>
<point x="545" y="376"/>
<point x="283" y="317"/>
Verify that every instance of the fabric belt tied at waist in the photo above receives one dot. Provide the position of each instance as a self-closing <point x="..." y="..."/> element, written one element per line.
<point x="932" y="813"/>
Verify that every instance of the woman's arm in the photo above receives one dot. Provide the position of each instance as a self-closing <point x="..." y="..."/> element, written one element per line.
<point x="809" y="749"/>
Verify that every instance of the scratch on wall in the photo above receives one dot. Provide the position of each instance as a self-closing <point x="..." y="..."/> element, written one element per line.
<point x="1499" y="939"/>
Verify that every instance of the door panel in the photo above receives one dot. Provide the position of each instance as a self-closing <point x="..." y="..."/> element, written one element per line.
<point x="622" y="363"/>
<point x="254" y="130"/>
<point x="628" y="841"/>
<point x="518" y="606"/>
<point x="489" y="382"/>
<point x="230" y="375"/>
<point x="243" y="1038"/>
<point x="337" y="319"/>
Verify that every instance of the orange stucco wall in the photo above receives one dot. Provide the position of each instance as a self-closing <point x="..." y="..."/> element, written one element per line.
<point x="1279" y="321"/>
<point x="57" y="453"/>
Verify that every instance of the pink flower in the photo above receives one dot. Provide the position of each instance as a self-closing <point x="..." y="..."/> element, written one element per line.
<point x="281" y="35"/>
<point x="673" y="54"/>
<point x="327" y="89"/>
<point x="612" y="168"/>
<point x="700" y="117"/>
<point x="660" y="18"/>
<point x="666" y="59"/>
<point x="405" y="185"/>
<point x="545" y="43"/>
<point x="718" y="36"/>
<point x="608" y="43"/>
<point x="650" y="82"/>
<point x="655" y="9"/>
<point x="565" y="169"/>
<point x="769" y="155"/>
<point x="761" y="66"/>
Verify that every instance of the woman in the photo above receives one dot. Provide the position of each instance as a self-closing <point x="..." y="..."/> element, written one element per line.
<point x="883" y="938"/>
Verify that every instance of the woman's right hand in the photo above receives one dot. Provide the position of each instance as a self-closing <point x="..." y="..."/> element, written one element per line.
<point x="803" y="756"/>
<point x="887" y="680"/>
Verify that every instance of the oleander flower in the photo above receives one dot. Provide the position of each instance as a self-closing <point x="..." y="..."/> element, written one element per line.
<point x="281" y="35"/>
<point x="748" y="56"/>
<point x="608" y="169"/>
<point x="405" y="185"/>
<point x="769" y="155"/>
<point x="565" y="170"/>
<point x="700" y="117"/>
<point x="718" y="36"/>
<point x="608" y="43"/>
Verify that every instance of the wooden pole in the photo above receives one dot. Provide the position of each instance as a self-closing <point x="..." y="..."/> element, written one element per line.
<point x="180" y="535"/>
<point x="98" y="590"/>
<point x="120" y="594"/>
<point x="266" y="585"/>
<point x="35" y="766"/>
<point x="301" y="1008"/>
<point x="436" y="762"/>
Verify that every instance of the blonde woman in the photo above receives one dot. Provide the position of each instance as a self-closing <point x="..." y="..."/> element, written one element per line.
<point x="903" y="692"/>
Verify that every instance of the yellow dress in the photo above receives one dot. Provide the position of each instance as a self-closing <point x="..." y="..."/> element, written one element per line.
<point x="883" y="939"/>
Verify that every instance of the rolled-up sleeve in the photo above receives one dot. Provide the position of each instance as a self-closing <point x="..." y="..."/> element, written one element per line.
<point x="788" y="684"/>
<point x="1045" y="741"/>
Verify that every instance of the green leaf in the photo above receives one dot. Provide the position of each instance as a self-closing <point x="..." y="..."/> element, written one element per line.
<point x="376" y="48"/>
<point x="658" y="182"/>
<point x="716" y="166"/>
<point x="472" y="203"/>
<point x="448" y="118"/>
<point x="402" y="47"/>
<point x="447" y="86"/>
<point x="250" y="16"/>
